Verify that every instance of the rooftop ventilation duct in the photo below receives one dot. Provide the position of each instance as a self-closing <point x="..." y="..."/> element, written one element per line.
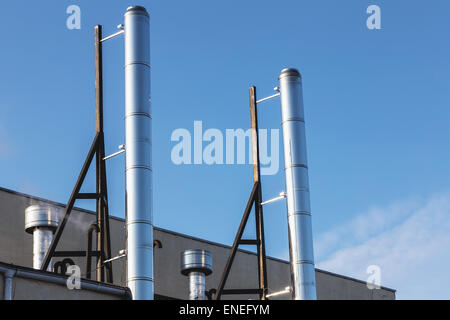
<point x="196" y="264"/>
<point x="138" y="168"/>
<point x="42" y="222"/>
<point x="297" y="186"/>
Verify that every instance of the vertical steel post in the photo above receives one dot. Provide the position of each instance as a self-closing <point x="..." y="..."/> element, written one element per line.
<point x="99" y="155"/>
<point x="103" y="236"/>
<point x="261" y="250"/>
<point x="138" y="139"/>
<point x="297" y="186"/>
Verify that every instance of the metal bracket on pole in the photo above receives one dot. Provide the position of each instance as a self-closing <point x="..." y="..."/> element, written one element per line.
<point x="120" y="26"/>
<point x="268" y="98"/>
<point x="279" y="293"/>
<point x="281" y="197"/>
<point x="122" y="254"/>
<point x="122" y="150"/>
<point x="113" y="36"/>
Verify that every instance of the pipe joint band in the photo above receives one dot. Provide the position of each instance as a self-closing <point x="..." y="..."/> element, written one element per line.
<point x="304" y="262"/>
<point x="144" y="114"/>
<point x="139" y="167"/>
<point x="145" y="64"/>
<point x="293" y="120"/>
<point x="297" y="213"/>
<point x="140" y="279"/>
<point x="296" y="166"/>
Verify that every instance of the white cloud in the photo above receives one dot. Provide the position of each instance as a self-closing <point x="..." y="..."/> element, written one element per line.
<point x="409" y="240"/>
<point x="363" y="227"/>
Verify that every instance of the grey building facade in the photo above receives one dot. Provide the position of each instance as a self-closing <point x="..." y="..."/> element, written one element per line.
<point x="16" y="256"/>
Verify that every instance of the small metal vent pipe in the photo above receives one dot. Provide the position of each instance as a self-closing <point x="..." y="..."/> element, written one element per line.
<point x="297" y="186"/>
<point x="138" y="168"/>
<point x="196" y="264"/>
<point x="42" y="222"/>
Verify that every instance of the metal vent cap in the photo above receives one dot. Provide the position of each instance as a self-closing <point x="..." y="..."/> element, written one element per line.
<point x="137" y="10"/>
<point x="196" y="261"/>
<point x="290" y="72"/>
<point x="39" y="216"/>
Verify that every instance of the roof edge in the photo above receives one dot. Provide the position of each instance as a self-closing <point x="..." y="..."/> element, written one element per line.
<point x="182" y="235"/>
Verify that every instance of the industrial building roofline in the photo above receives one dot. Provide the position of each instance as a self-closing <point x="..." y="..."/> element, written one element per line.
<point x="180" y="234"/>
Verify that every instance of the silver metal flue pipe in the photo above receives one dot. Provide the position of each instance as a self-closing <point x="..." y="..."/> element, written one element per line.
<point x="197" y="286"/>
<point x="196" y="264"/>
<point x="139" y="215"/>
<point x="297" y="186"/>
<point x="41" y="221"/>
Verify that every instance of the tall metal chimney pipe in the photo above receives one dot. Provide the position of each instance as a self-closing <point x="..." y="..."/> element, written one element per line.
<point x="196" y="264"/>
<point x="138" y="171"/>
<point x="41" y="221"/>
<point x="297" y="186"/>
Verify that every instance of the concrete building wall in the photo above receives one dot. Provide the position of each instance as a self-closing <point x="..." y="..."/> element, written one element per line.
<point x="16" y="248"/>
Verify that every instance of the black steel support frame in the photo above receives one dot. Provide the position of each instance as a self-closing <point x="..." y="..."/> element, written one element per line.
<point x="101" y="227"/>
<point x="255" y="199"/>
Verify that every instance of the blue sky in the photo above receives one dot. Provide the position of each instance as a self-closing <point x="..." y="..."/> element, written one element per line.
<point x="376" y="104"/>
